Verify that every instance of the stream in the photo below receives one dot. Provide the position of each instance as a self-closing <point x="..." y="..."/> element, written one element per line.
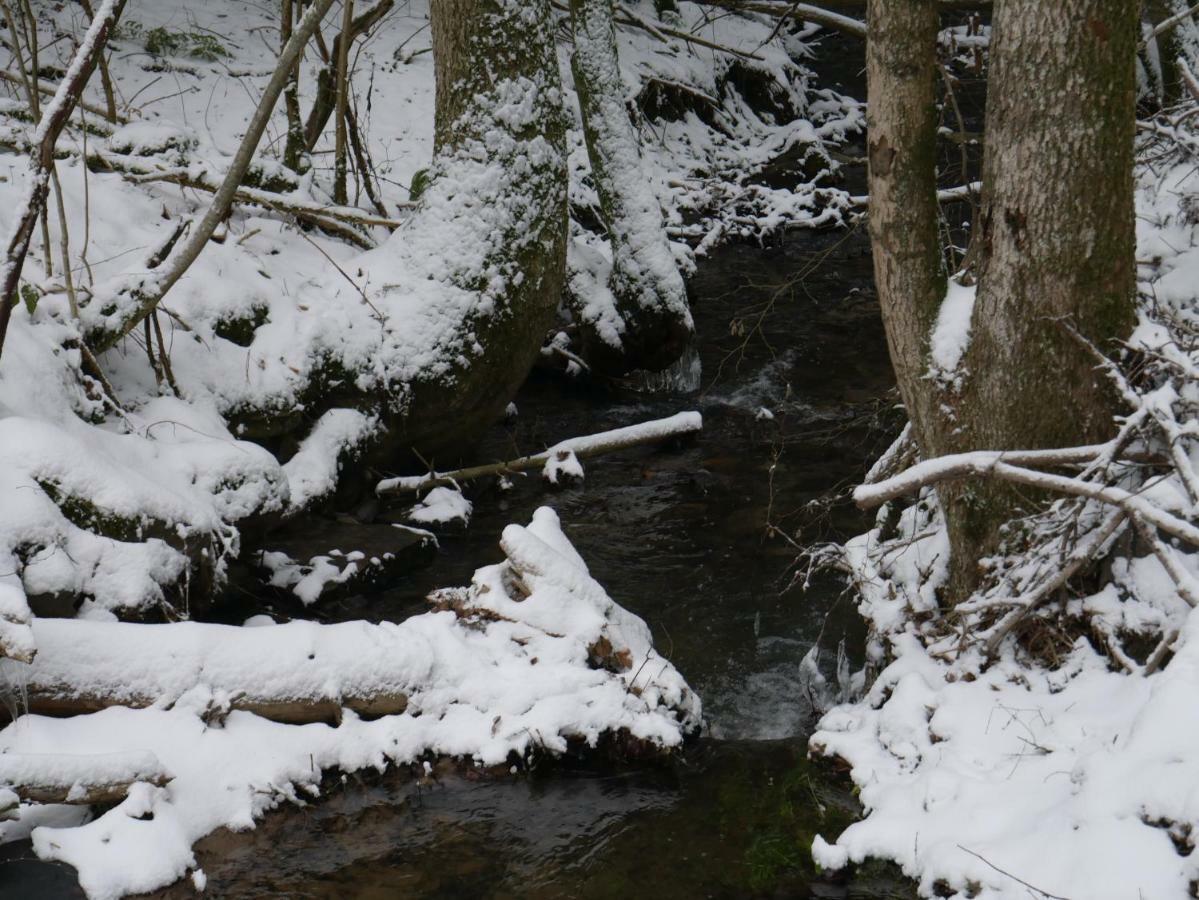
<point x="795" y="396"/>
<point x="794" y="388"/>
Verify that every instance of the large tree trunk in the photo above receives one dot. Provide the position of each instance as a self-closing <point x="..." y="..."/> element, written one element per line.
<point x="492" y="222"/>
<point x="1056" y="238"/>
<point x="1057" y="241"/>
<point x="649" y="323"/>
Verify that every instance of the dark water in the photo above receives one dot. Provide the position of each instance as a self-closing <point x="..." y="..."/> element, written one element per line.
<point x="678" y="535"/>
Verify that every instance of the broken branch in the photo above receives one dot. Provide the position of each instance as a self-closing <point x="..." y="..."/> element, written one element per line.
<point x="590" y="445"/>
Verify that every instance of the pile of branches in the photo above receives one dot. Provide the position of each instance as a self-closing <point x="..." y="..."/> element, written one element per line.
<point x="1111" y="560"/>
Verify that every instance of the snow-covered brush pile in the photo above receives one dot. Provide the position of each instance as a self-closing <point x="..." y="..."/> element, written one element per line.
<point x="1038" y="738"/>
<point x="198" y="723"/>
<point x="717" y="97"/>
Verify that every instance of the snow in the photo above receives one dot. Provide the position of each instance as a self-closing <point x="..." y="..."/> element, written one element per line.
<point x="951" y="334"/>
<point x="74" y="774"/>
<point x="510" y="680"/>
<point x="312" y="472"/>
<point x="188" y="466"/>
<point x="1011" y="763"/>
<point x="441" y="506"/>
<point x="562" y="467"/>
<point x="1004" y="777"/>
<point x="642" y="267"/>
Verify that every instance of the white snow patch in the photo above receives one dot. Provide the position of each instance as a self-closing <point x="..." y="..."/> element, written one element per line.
<point x="951" y="335"/>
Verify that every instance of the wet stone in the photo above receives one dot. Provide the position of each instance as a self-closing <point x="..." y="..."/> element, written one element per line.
<point x="322" y="560"/>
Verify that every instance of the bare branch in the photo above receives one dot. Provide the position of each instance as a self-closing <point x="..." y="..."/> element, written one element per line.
<point x="53" y="120"/>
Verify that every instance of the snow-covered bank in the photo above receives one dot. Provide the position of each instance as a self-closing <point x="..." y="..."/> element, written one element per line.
<point x="1038" y="739"/>
<point x="532" y="656"/>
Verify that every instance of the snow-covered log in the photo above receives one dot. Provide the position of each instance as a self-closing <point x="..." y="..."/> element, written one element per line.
<point x="82" y="779"/>
<point x="304" y="672"/>
<point x="651" y="432"/>
<point x="298" y="672"/>
<point x="532" y="658"/>
<point x="640" y="318"/>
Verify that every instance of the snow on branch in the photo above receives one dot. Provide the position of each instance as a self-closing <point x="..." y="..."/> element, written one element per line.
<point x="54" y="118"/>
<point x="651" y="432"/>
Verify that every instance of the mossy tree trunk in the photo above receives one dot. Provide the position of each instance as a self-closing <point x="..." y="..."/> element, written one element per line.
<point x="652" y="323"/>
<point x="498" y="181"/>
<point x="1056" y="241"/>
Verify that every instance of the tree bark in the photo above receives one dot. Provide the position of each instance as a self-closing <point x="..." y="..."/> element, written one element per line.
<point x="343" y="88"/>
<point x="1056" y="241"/>
<point x="909" y="268"/>
<point x="294" y="148"/>
<point x="653" y="322"/>
<point x="1057" y="244"/>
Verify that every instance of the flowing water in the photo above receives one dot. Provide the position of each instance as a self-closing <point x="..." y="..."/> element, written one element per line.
<point x="796" y="392"/>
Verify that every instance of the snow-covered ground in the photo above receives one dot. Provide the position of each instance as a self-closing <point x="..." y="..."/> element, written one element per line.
<point x="272" y="317"/>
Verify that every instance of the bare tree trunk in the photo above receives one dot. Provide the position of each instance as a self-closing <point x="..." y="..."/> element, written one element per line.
<point x="1055" y="241"/>
<point x="909" y="269"/>
<point x="294" y="148"/>
<point x="343" y="88"/>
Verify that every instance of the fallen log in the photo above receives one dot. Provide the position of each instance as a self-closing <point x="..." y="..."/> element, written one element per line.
<point x="532" y="660"/>
<point x="295" y="673"/>
<point x="78" y="779"/>
<point x="582" y="447"/>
